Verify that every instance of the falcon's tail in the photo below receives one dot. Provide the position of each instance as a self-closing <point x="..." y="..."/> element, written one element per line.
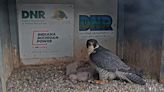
<point x="130" y="77"/>
<point x="134" y="78"/>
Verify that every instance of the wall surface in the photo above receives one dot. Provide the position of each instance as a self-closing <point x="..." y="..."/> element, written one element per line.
<point x="106" y="39"/>
<point x="14" y="32"/>
<point x="1" y="60"/>
<point x="141" y="28"/>
<point x="6" y="63"/>
<point x="162" y="61"/>
<point x="87" y="8"/>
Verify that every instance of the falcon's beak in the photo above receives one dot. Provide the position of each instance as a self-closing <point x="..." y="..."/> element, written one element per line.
<point x="90" y="49"/>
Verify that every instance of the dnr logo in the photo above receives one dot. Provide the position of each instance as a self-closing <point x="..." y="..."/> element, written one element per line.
<point x="95" y="23"/>
<point x="33" y="14"/>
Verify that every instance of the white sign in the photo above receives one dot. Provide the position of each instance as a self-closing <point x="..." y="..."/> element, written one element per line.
<point x="98" y="21"/>
<point x="96" y="26"/>
<point x="45" y="30"/>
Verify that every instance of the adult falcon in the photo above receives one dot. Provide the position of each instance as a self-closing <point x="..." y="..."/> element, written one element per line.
<point x="109" y="66"/>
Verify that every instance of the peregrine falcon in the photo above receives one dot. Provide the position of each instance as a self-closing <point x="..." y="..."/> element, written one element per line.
<point x="109" y="66"/>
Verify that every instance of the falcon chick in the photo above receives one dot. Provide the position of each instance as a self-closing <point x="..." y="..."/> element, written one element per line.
<point x="109" y="66"/>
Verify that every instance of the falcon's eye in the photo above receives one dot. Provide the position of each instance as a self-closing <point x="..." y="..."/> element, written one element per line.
<point x="94" y="45"/>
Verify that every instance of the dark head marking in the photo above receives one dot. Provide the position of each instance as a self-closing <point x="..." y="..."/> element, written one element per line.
<point x="91" y="42"/>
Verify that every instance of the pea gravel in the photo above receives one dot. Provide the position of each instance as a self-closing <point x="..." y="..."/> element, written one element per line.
<point x="52" y="78"/>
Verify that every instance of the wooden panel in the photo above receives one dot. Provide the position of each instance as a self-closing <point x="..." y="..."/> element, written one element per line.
<point x="143" y="58"/>
<point x="162" y="61"/>
<point x="6" y="63"/>
<point x="14" y="32"/>
<point x="142" y="34"/>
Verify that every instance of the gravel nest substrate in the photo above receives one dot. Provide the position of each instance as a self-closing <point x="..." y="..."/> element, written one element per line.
<point x="51" y="78"/>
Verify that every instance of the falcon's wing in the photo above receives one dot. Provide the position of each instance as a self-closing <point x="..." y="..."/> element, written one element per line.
<point x="108" y="61"/>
